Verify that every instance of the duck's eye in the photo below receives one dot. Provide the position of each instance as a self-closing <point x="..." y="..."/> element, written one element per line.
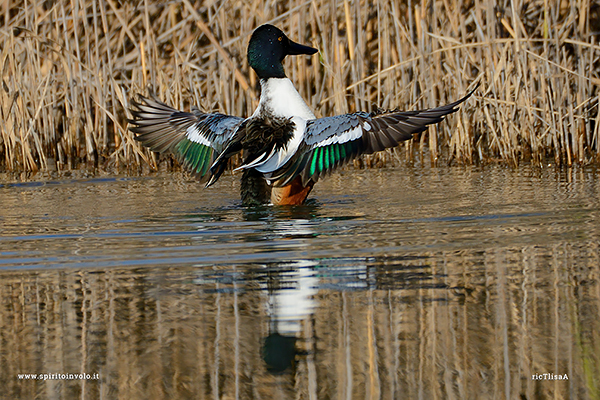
<point x="280" y="38"/>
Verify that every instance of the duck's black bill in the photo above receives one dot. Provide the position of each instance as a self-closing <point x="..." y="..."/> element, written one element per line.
<point x="296" y="48"/>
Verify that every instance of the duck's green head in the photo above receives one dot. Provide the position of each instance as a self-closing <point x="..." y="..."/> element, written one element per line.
<point x="268" y="47"/>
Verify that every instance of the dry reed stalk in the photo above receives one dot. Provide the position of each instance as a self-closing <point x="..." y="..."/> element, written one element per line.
<point x="69" y="68"/>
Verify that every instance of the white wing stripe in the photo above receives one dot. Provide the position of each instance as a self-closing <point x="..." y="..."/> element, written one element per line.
<point x="347" y="136"/>
<point x="255" y="162"/>
<point x="193" y="134"/>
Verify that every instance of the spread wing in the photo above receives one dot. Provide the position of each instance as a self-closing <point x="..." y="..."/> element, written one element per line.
<point x="332" y="141"/>
<point x="195" y="139"/>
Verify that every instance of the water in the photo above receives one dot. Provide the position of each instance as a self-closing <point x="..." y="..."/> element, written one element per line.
<point x="396" y="283"/>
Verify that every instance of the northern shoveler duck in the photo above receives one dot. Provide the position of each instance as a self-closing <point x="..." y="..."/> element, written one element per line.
<point x="285" y="148"/>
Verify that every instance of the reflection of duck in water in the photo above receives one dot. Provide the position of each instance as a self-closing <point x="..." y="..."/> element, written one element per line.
<point x="286" y="149"/>
<point x="291" y="290"/>
<point x="279" y="352"/>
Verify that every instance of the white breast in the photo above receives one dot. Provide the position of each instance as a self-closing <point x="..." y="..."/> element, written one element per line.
<point x="280" y="98"/>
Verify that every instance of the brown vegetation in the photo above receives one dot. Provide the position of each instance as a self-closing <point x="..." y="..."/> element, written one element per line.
<point x="69" y="68"/>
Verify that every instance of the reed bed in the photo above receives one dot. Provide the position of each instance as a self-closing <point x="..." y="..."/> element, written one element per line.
<point x="70" y="68"/>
